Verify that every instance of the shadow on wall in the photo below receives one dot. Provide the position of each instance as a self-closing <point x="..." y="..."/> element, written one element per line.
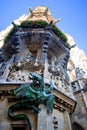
<point x="76" y="126"/>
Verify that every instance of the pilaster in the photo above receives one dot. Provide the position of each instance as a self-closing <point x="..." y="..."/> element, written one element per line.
<point x="67" y="121"/>
<point x="44" y="119"/>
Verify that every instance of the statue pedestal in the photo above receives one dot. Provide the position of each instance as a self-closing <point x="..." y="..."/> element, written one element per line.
<point x="44" y="119"/>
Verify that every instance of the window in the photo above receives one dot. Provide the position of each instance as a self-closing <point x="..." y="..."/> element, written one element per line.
<point x="33" y="53"/>
<point x="19" y="127"/>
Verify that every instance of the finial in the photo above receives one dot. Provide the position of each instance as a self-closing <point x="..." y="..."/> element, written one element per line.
<point x="72" y="46"/>
<point x="31" y="11"/>
<point x="56" y="21"/>
<point x="47" y="9"/>
<point x="14" y="24"/>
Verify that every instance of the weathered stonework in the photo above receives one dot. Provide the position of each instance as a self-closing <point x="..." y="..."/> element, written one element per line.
<point x="41" y="51"/>
<point x="80" y="93"/>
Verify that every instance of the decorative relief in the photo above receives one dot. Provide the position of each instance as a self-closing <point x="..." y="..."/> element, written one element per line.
<point x="17" y="76"/>
<point x="60" y="78"/>
<point x="4" y="94"/>
<point x="20" y="71"/>
<point x="61" y="84"/>
<point x="2" y="98"/>
<point x="55" y="123"/>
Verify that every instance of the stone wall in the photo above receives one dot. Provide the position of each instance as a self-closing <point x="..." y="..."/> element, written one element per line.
<point x="60" y="117"/>
<point x="6" y="123"/>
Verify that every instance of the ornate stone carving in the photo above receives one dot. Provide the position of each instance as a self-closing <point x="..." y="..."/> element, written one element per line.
<point x="55" y="123"/>
<point x="32" y="95"/>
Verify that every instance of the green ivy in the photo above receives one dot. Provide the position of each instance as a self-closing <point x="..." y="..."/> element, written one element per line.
<point x="34" y="24"/>
<point x="43" y="24"/>
<point x="60" y="34"/>
<point x="9" y="35"/>
<point x="37" y="24"/>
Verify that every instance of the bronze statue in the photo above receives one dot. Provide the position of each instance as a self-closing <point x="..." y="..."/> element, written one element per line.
<point x="31" y="95"/>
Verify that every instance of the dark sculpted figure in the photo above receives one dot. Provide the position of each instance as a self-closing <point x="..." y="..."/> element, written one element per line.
<point x="31" y="95"/>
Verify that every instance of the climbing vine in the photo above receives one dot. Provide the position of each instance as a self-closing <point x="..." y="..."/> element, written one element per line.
<point x="37" y="24"/>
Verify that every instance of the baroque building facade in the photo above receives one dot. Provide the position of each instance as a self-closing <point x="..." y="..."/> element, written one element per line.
<point x="35" y="89"/>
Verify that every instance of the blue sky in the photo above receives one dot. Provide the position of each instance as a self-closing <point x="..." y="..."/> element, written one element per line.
<point x="71" y="12"/>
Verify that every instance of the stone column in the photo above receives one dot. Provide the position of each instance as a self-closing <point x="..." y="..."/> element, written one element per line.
<point x="38" y="55"/>
<point x="44" y="119"/>
<point x="67" y="121"/>
<point x="6" y="72"/>
<point x="49" y="122"/>
<point x="4" y="124"/>
<point x="46" y="73"/>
